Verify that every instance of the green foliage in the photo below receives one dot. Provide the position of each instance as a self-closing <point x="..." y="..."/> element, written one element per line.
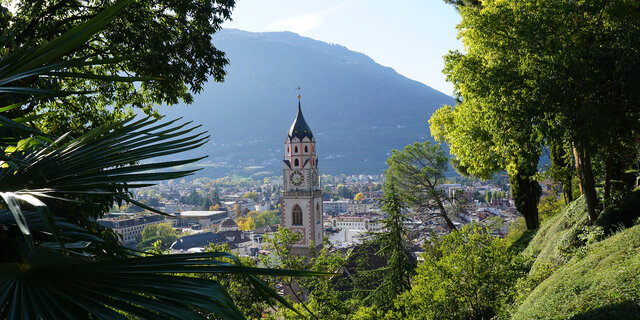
<point x="603" y="283"/>
<point x="241" y="290"/>
<point x="323" y="298"/>
<point x="168" y="71"/>
<point x="623" y="214"/>
<point x="558" y="238"/>
<point x="522" y="59"/>
<point x="345" y="192"/>
<point x="395" y="276"/>
<point x="163" y="232"/>
<point x="519" y="236"/>
<point x="465" y="275"/>
<point x="416" y="172"/>
<point x="264" y="218"/>
<point x="250" y="195"/>
<point x="549" y="206"/>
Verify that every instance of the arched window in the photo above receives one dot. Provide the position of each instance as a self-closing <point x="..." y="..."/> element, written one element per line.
<point x="295" y="149"/>
<point x="296" y="162"/>
<point x="297" y="215"/>
<point x="287" y="149"/>
<point x="306" y="149"/>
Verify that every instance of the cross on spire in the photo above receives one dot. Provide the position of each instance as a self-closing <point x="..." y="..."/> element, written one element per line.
<point x="298" y="88"/>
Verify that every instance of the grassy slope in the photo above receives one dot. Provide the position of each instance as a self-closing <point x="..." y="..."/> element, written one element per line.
<point x="557" y="238"/>
<point x="597" y="281"/>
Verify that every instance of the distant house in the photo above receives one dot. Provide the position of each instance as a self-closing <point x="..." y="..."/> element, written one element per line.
<point x="262" y="206"/>
<point x="356" y="223"/>
<point x="334" y="207"/>
<point x="228" y="225"/>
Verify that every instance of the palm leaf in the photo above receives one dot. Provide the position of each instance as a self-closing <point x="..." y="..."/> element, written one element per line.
<point x="48" y="285"/>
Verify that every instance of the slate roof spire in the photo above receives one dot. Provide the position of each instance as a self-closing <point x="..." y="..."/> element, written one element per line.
<point x="300" y="128"/>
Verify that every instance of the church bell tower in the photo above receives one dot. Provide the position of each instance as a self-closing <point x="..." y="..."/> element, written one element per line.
<point x="301" y="204"/>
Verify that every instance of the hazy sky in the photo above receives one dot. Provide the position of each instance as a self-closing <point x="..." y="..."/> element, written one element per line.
<point x="411" y="36"/>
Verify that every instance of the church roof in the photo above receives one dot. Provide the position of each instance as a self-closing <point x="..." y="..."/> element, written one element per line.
<point x="300" y="128"/>
<point x="228" y="222"/>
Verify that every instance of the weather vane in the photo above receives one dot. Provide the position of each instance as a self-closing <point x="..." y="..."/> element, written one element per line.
<point x="298" y="88"/>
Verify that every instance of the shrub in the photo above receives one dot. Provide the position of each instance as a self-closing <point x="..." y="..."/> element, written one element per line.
<point x="465" y="275"/>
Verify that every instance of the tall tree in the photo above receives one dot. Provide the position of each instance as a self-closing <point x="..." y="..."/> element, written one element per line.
<point x="416" y="172"/>
<point x="164" y="44"/>
<point x="396" y="275"/>
<point x="560" y="68"/>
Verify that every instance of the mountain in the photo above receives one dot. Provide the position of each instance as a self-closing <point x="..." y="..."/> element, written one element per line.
<point x="358" y="110"/>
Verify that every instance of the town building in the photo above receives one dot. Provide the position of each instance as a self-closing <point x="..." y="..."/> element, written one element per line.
<point x="335" y="207"/>
<point x="357" y="223"/>
<point x="301" y="200"/>
<point x="129" y="226"/>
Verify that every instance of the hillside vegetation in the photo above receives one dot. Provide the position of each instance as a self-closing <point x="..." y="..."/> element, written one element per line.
<point x="573" y="275"/>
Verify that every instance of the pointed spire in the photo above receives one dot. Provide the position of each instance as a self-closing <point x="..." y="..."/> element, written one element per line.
<point x="300" y="128"/>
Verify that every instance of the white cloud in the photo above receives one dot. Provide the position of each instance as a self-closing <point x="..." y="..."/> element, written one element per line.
<point x="302" y="24"/>
<point x="299" y="24"/>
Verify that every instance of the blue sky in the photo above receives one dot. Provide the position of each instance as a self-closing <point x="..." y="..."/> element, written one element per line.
<point x="410" y="36"/>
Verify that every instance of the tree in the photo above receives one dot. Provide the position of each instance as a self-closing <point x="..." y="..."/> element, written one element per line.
<point x="264" y="218"/>
<point x="417" y="171"/>
<point x="322" y="293"/>
<point x="152" y="233"/>
<point x="214" y="196"/>
<point x="566" y="84"/>
<point x="359" y="197"/>
<point x="465" y="275"/>
<point x="396" y="275"/>
<point x="167" y="71"/>
<point x="344" y="192"/>
<point x="245" y="223"/>
<point x="250" y="195"/>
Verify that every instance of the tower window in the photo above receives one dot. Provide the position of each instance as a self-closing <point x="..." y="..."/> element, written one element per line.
<point x="287" y="149"/>
<point x="297" y="215"/>
<point x="296" y="162"/>
<point x="295" y="149"/>
<point x="306" y="149"/>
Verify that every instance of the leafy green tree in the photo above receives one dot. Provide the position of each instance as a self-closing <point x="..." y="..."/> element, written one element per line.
<point x="250" y="195"/>
<point x="193" y="198"/>
<point x="345" y="192"/>
<point x="491" y="128"/>
<point x="214" y="196"/>
<point x="465" y="275"/>
<point x="567" y="84"/>
<point x="417" y="171"/>
<point x="152" y="233"/>
<point x="205" y="203"/>
<point x="164" y="45"/>
<point x="264" y="218"/>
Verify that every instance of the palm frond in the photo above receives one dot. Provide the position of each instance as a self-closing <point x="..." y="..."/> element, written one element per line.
<point x="145" y="287"/>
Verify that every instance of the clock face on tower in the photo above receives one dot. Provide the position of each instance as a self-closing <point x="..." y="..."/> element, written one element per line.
<point x="296" y="178"/>
<point x="314" y="179"/>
